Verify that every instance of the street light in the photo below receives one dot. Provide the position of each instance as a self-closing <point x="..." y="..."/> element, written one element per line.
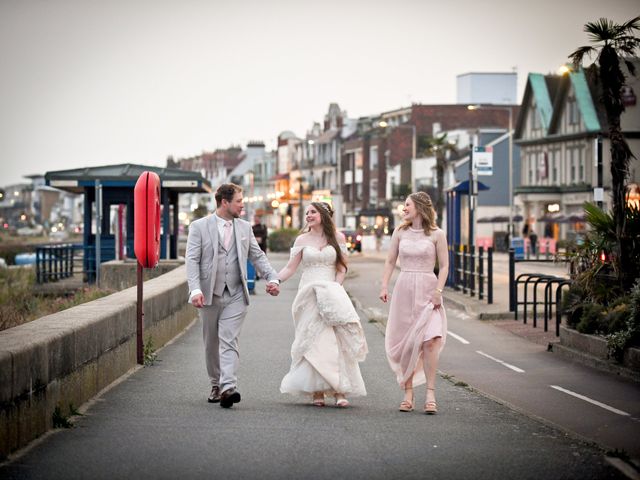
<point x="510" y="110"/>
<point x="384" y="124"/>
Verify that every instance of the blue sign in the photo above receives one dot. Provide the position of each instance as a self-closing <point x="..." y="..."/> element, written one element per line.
<point x="517" y="243"/>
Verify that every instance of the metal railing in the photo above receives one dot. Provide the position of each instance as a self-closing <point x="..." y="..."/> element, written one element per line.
<point x="471" y="271"/>
<point x="551" y="303"/>
<point x="56" y="261"/>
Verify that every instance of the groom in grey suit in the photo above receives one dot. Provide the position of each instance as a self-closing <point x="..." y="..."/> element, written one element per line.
<point x="218" y="247"/>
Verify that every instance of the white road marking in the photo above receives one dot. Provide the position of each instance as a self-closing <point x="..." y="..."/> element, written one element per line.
<point x="590" y="400"/>
<point x="512" y="367"/>
<point x="458" y="337"/>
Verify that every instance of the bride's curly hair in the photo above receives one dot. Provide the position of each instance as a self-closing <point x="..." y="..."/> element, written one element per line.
<point x="425" y="209"/>
<point x="329" y="231"/>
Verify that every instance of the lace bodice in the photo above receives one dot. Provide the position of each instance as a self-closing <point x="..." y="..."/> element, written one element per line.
<point x="417" y="252"/>
<point x="317" y="264"/>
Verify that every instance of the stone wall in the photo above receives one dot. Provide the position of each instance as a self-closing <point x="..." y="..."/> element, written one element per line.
<point x="121" y="274"/>
<point x="67" y="358"/>
<point x="592" y="350"/>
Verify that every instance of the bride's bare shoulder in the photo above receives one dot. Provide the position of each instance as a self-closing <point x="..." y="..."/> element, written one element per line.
<point x="301" y="240"/>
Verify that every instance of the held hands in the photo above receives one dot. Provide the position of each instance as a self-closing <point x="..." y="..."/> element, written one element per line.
<point x="384" y="294"/>
<point x="198" y="301"/>
<point x="273" y="289"/>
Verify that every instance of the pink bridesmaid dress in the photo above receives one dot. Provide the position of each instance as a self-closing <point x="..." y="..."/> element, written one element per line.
<point x="412" y="317"/>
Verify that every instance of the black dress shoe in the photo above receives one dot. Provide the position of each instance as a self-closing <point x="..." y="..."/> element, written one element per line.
<point x="229" y="397"/>
<point x="214" y="396"/>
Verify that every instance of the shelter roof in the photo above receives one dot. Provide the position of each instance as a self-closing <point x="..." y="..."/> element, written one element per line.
<point x="126" y="175"/>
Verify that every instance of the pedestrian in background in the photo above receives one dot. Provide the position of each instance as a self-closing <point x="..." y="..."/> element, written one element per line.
<point x="329" y="340"/>
<point x="260" y="232"/>
<point x="417" y="325"/>
<point x="533" y="242"/>
<point x="379" y="234"/>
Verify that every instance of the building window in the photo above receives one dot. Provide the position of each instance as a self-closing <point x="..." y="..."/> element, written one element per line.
<point x="572" y="165"/>
<point x="373" y="158"/>
<point x="574" y="114"/>
<point x="578" y="154"/>
<point x="554" y="167"/>
<point x="530" y="163"/>
<point x="535" y="118"/>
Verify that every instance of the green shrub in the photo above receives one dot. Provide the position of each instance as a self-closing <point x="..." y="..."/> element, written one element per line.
<point x="572" y="304"/>
<point x="282" y="240"/>
<point x="619" y="341"/>
<point x="617" y="314"/>
<point x="592" y="319"/>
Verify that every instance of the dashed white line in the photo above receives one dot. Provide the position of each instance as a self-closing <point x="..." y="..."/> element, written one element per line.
<point x="512" y="367"/>
<point x="590" y="400"/>
<point x="458" y="337"/>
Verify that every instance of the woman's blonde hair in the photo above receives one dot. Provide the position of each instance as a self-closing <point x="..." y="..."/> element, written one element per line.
<point x="329" y="230"/>
<point x="425" y="209"/>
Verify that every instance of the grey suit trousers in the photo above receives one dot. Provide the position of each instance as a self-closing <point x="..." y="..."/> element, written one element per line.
<point x="221" y="325"/>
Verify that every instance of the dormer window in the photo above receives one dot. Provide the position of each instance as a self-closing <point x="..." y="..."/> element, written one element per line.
<point x="574" y="114"/>
<point x="535" y="118"/>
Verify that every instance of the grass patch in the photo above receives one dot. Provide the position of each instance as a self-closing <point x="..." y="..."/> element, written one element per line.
<point x="461" y="384"/>
<point x="150" y="354"/>
<point x="59" y="419"/>
<point x="20" y="302"/>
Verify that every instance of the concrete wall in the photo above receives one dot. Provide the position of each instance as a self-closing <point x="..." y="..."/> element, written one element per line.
<point x="121" y="274"/>
<point x="68" y="357"/>
<point x="592" y="350"/>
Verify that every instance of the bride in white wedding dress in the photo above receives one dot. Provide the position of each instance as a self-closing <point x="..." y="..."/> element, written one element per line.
<point x="329" y="340"/>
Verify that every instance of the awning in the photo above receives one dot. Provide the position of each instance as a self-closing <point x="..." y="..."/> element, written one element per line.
<point x="463" y="187"/>
<point x="500" y="219"/>
<point x="554" y="218"/>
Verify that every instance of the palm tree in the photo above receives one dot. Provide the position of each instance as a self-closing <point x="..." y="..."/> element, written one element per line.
<point x="439" y="147"/>
<point x="613" y="42"/>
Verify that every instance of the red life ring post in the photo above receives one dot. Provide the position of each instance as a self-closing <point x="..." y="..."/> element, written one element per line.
<point x="146" y="239"/>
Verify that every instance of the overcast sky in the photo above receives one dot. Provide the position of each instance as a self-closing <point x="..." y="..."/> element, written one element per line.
<point x="86" y="83"/>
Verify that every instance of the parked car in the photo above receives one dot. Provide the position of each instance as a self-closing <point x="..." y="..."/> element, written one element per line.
<point x="354" y="240"/>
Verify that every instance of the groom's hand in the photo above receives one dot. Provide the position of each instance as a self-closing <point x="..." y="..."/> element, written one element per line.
<point x="273" y="289"/>
<point x="198" y="301"/>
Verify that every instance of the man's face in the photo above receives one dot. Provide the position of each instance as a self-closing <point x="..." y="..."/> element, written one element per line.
<point x="234" y="207"/>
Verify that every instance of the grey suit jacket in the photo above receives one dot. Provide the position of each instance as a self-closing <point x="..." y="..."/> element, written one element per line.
<point x="202" y="250"/>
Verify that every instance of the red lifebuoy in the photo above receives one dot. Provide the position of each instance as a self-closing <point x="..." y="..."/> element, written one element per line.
<point x="146" y="208"/>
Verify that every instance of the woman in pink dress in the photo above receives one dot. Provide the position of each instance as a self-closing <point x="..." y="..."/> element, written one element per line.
<point x="417" y="325"/>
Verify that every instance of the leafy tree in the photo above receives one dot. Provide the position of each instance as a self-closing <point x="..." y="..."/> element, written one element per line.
<point x="612" y="43"/>
<point x="438" y="147"/>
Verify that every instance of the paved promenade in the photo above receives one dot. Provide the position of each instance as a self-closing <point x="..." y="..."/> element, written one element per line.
<point x="156" y="423"/>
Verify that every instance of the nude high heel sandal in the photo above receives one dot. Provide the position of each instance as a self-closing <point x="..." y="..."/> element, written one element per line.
<point x="430" y="407"/>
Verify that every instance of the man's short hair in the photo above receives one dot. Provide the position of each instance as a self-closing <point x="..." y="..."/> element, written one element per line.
<point x="226" y="191"/>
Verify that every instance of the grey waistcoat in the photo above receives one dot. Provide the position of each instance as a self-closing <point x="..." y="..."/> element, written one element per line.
<point x="228" y="272"/>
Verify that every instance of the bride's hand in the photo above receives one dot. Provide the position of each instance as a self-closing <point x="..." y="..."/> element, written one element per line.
<point x="436" y="299"/>
<point x="384" y="294"/>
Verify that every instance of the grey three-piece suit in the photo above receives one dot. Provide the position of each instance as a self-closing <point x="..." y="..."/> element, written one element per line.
<point x="221" y="275"/>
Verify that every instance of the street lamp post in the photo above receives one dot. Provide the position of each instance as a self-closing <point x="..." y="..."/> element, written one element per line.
<point x="510" y="110"/>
